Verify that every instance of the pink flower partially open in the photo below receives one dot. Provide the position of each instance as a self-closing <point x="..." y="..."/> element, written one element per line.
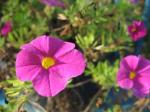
<point x="134" y="74"/>
<point x="137" y="30"/>
<point x="53" y="3"/>
<point x="6" y="28"/>
<point x="49" y="63"/>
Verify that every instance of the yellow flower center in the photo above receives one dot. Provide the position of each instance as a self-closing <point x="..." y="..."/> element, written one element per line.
<point x="134" y="30"/>
<point x="47" y="62"/>
<point x="132" y="75"/>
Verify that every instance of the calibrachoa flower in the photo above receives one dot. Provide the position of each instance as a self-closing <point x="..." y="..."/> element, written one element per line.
<point x="49" y="63"/>
<point x="134" y="74"/>
<point x="6" y="28"/>
<point x="53" y="3"/>
<point x="137" y="30"/>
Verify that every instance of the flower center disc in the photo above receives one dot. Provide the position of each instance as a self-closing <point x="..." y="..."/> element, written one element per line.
<point x="134" y="30"/>
<point x="132" y="75"/>
<point x="47" y="62"/>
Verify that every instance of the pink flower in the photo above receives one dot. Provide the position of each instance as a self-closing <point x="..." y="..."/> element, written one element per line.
<point x="53" y="3"/>
<point x="49" y="63"/>
<point x="137" y="30"/>
<point x="134" y="74"/>
<point x="6" y="28"/>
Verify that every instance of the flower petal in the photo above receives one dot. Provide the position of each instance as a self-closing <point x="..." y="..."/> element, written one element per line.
<point x="141" y="87"/>
<point x="49" y="83"/>
<point x="32" y="49"/>
<point x="125" y="83"/>
<point x="144" y="75"/>
<point x="137" y="30"/>
<point x="53" y="3"/>
<point x="6" y="28"/>
<point x="57" y="83"/>
<point x="124" y="71"/>
<point x="25" y="58"/>
<point x="65" y="48"/>
<point x="142" y="33"/>
<point x="123" y="79"/>
<point x="132" y="62"/>
<point x="41" y="84"/>
<point x="123" y="75"/>
<point x="143" y="66"/>
<point x="71" y="64"/>
<point x="27" y="65"/>
<point x="52" y="46"/>
<point x="27" y="73"/>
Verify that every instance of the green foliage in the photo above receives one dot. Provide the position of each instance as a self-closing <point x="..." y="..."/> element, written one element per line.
<point x="86" y="42"/>
<point x="17" y="93"/>
<point x="104" y="73"/>
<point x="115" y="108"/>
<point x="27" y="21"/>
<point x="2" y="42"/>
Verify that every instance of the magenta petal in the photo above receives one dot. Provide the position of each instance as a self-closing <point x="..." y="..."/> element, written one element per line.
<point x="6" y="28"/>
<point x="66" y="47"/>
<point x="72" y="64"/>
<point x="124" y="66"/>
<point x="27" y="65"/>
<point x="41" y="43"/>
<point x="140" y="92"/>
<point x="31" y="49"/>
<point x="125" y="83"/>
<point x="141" y="87"/>
<point x="137" y="30"/>
<point x="143" y="65"/>
<point x="57" y="83"/>
<point x="25" y="58"/>
<point x="41" y="84"/>
<point x="144" y="75"/>
<point x="134" y="1"/>
<point x="53" y="3"/>
<point x="143" y="32"/>
<point x="49" y="83"/>
<point x="130" y="29"/>
<point x="122" y="73"/>
<point x="52" y="46"/>
<point x="123" y="80"/>
<point x="123" y="76"/>
<point x="27" y="73"/>
<point x="135" y="36"/>
<point x="132" y="62"/>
